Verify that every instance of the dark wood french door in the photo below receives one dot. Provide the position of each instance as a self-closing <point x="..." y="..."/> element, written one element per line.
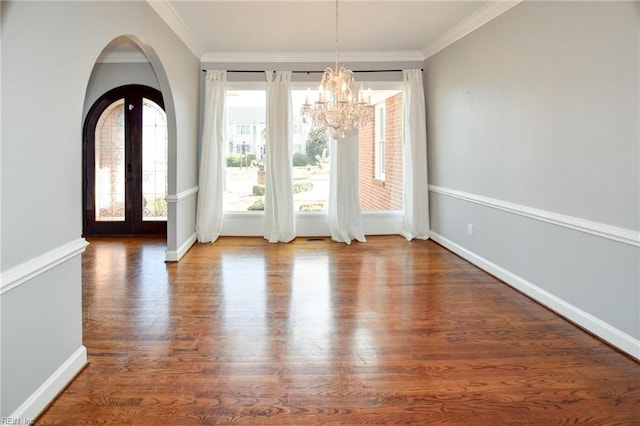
<point x="125" y="163"/>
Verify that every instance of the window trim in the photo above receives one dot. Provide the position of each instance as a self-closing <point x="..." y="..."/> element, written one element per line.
<point x="308" y="224"/>
<point x="380" y="140"/>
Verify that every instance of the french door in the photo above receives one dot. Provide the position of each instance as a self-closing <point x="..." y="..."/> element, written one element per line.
<point x="125" y="163"/>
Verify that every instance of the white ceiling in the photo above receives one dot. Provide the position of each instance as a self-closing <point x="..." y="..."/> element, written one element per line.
<point x="304" y="30"/>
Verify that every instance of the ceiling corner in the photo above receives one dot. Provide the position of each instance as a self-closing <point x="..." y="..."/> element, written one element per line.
<point x="169" y="15"/>
<point x="470" y="24"/>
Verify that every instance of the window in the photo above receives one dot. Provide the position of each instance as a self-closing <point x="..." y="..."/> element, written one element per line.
<point x="300" y="132"/>
<point x="380" y="155"/>
<point x="310" y="161"/>
<point x="244" y="183"/>
<point x="380" y="138"/>
<point x="243" y="129"/>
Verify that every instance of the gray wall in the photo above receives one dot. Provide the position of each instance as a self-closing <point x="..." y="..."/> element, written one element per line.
<point x="533" y="130"/>
<point x="46" y="67"/>
<point x="107" y="76"/>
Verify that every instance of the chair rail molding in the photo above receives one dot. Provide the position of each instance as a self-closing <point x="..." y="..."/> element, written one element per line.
<point x="615" y="233"/>
<point x="30" y="269"/>
<point x="182" y="195"/>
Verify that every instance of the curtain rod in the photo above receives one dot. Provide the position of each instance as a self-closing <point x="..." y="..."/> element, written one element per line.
<point x="312" y="72"/>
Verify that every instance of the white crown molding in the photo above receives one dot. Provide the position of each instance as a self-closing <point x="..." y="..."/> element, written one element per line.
<point x="122" y="57"/>
<point x="467" y="26"/>
<point x="317" y="56"/>
<point x="622" y="235"/>
<point x="175" y="22"/>
<point x="26" y="271"/>
<point x="164" y="9"/>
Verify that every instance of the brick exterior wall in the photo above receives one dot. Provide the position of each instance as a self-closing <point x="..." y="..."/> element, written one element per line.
<point x="387" y="194"/>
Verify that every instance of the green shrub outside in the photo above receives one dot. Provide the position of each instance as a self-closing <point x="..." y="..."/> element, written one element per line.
<point x="258" y="190"/>
<point x="302" y="187"/>
<point x="318" y="207"/>
<point x="257" y="205"/>
<point x="317" y="142"/>
<point x="298" y="187"/>
<point x="157" y="207"/>
<point x="233" y="160"/>
<point x="301" y="160"/>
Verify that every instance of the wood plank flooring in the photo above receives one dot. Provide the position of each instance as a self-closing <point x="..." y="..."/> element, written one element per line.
<point x="315" y="332"/>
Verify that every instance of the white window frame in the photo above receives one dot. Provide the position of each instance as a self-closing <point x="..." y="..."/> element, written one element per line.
<point x="243" y="223"/>
<point x="310" y="224"/>
<point x="380" y="140"/>
<point x="242" y="129"/>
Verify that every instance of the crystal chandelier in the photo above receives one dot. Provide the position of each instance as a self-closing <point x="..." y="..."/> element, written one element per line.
<point x="337" y="108"/>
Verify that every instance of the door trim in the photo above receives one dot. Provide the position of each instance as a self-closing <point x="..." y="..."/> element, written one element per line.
<point x="133" y="225"/>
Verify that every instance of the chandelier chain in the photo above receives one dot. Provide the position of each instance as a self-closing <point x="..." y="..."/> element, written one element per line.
<point x="337" y="35"/>
<point x="339" y="107"/>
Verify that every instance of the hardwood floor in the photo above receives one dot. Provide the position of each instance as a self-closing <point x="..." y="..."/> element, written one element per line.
<point x="315" y="332"/>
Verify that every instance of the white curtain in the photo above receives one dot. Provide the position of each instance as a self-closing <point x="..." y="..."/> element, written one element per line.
<point x="212" y="168"/>
<point x="278" y="200"/>
<point x="345" y="223"/>
<point x="416" y="187"/>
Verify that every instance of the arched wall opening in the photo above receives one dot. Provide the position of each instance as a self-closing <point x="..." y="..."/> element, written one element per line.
<point x="125" y="60"/>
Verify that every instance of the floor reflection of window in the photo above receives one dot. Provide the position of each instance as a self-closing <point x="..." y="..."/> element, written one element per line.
<point x="243" y="314"/>
<point x="243" y="288"/>
<point x="311" y="313"/>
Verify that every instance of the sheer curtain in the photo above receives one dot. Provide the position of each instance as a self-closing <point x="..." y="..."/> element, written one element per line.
<point x="416" y="187"/>
<point x="278" y="200"/>
<point x="211" y="176"/>
<point x="345" y="223"/>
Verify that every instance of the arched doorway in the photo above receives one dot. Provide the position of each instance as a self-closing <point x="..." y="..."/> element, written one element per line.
<point x="125" y="163"/>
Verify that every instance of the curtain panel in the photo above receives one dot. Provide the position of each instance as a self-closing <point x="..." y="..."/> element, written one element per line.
<point x="345" y="223"/>
<point x="416" y="185"/>
<point x="211" y="176"/>
<point x="279" y="211"/>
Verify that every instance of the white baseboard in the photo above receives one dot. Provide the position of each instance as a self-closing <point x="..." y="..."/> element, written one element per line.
<point x="603" y="330"/>
<point x="174" y="256"/>
<point x="49" y="390"/>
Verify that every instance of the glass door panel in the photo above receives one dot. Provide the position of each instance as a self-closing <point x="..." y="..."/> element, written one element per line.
<point x="154" y="161"/>
<point x="110" y="164"/>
